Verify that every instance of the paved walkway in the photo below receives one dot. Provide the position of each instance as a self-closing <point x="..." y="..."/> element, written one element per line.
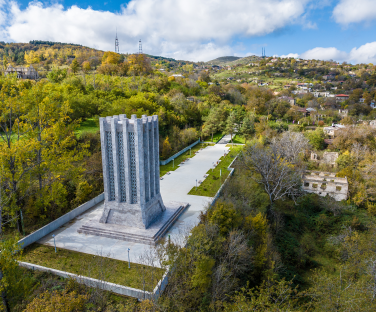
<point x="226" y="139"/>
<point x="174" y="187"/>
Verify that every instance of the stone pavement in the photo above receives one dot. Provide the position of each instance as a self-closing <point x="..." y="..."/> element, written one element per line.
<point x="174" y="187"/>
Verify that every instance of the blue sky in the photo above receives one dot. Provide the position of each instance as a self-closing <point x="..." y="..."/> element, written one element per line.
<point x="342" y="30"/>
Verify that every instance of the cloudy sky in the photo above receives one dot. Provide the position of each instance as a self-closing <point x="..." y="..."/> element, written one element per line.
<point x="201" y="30"/>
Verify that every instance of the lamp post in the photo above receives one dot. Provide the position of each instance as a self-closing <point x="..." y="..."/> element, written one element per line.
<point x="173" y="163"/>
<point x="196" y="185"/>
<point x="129" y="261"/>
<point x="53" y="235"/>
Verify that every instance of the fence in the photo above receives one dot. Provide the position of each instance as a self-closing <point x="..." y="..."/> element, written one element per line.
<point x="92" y="282"/>
<point x="165" y="162"/>
<point x="223" y="184"/>
<point x="52" y="226"/>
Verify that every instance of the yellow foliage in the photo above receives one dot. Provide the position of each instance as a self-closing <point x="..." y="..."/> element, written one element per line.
<point x="32" y="57"/>
<point x="57" y="301"/>
<point x="371" y="208"/>
<point x="171" y="78"/>
<point x="259" y="225"/>
<point x="110" y="58"/>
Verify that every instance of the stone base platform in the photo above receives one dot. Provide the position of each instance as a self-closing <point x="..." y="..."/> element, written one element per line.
<point x="149" y="236"/>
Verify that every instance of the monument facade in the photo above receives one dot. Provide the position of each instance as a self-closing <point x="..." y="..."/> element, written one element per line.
<point x="130" y="158"/>
<point x="133" y="209"/>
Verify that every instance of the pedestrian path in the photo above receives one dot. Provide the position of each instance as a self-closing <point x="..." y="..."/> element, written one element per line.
<point x="226" y="139"/>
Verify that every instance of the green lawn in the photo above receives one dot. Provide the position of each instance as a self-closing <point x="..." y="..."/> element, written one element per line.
<point x="110" y="270"/>
<point x="210" y="186"/>
<point x="238" y="139"/>
<point x="89" y="125"/>
<point x="173" y="165"/>
<point x="216" y="137"/>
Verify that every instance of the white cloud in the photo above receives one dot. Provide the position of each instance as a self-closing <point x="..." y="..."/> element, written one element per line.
<point x="364" y="54"/>
<point x="325" y="54"/>
<point x="194" y="29"/>
<point x="294" y="55"/>
<point x="354" y="11"/>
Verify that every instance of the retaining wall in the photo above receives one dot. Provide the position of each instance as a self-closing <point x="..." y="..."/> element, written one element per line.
<point x="52" y="226"/>
<point x="92" y="282"/>
<point x="165" y="162"/>
<point x="223" y="184"/>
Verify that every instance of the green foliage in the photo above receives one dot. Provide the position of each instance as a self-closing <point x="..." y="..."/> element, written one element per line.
<point x="316" y="138"/>
<point x="225" y="216"/>
<point x="57" y="75"/>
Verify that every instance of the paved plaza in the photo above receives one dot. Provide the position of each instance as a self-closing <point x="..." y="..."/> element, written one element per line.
<point x="174" y="187"/>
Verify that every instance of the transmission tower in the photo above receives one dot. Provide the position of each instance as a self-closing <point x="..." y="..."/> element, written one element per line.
<point x="139" y="47"/>
<point x="116" y="44"/>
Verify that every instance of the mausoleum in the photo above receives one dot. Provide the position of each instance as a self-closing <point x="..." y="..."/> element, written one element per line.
<point x="133" y="206"/>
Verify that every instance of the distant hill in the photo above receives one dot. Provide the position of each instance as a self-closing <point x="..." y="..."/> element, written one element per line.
<point x="223" y="60"/>
<point x="245" y="60"/>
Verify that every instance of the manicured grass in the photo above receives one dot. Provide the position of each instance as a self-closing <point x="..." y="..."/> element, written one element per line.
<point x="210" y="186"/>
<point x="173" y="165"/>
<point x="238" y="139"/>
<point x="216" y="137"/>
<point x="89" y="125"/>
<point x="110" y="270"/>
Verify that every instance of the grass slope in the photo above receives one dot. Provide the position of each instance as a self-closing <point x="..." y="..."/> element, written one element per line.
<point x="110" y="270"/>
<point x="210" y="186"/>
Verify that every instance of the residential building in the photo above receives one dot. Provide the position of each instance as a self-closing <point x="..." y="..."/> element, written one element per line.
<point x="22" y="72"/>
<point x="341" y="97"/>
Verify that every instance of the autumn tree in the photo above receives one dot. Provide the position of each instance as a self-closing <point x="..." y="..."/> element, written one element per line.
<point x="86" y="67"/>
<point x="110" y="58"/>
<point x="139" y="64"/>
<point x="75" y="66"/>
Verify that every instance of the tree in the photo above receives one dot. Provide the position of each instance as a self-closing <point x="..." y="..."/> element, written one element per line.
<point x="166" y="148"/>
<point x="75" y="66"/>
<point x="211" y="124"/>
<point x="247" y="128"/>
<point x="139" y="64"/>
<point x="110" y="58"/>
<point x="316" y="138"/>
<point x="86" y="67"/>
<point x="274" y="172"/>
<point x="230" y="124"/>
<point x="57" y="75"/>
<point x="290" y="145"/>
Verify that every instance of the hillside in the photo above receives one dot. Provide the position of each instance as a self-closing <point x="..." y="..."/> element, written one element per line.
<point x="245" y="60"/>
<point x="223" y="60"/>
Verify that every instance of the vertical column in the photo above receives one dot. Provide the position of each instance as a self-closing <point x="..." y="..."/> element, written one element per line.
<point x="151" y="157"/>
<point x="102" y="127"/>
<point x="115" y="157"/>
<point x="127" y="169"/>
<point x="109" y="160"/>
<point x="139" y="160"/>
<point x="146" y="157"/>
<point x="122" y="176"/>
<point x="156" y="149"/>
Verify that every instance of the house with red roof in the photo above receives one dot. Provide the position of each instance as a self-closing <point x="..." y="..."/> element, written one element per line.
<point x="341" y="97"/>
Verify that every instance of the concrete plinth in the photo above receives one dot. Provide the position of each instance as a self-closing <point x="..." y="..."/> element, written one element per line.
<point x="149" y="236"/>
